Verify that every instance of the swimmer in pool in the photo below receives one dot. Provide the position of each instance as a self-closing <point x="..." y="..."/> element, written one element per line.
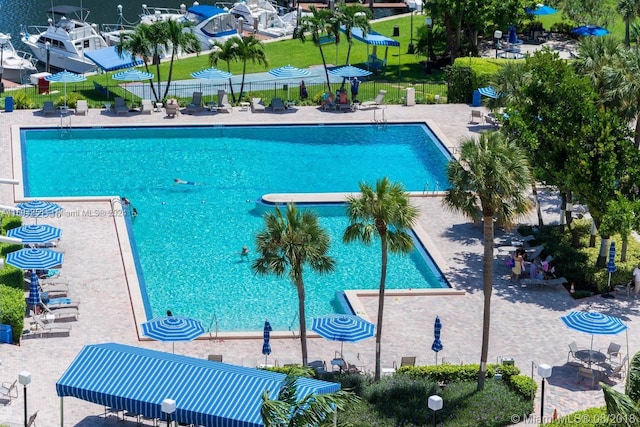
<point x="244" y="253"/>
<point x="182" y="181"/>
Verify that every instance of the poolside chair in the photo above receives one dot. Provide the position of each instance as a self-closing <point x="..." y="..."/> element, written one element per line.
<point x="343" y="102"/>
<point x="318" y="365"/>
<point x="613" y="351"/>
<point x="42" y="327"/>
<point x="58" y="303"/>
<point x="215" y="357"/>
<point x="9" y="391"/>
<point x="81" y="107"/>
<point x="328" y="102"/>
<point x="378" y="101"/>
<point x="120" y="106"/>
<point x="408" y="361"/>
<point x="48" y="109"/>
<point x="61" y="313"/>
<point x="223" y="102"/>
<point x="277" y="104"/>
<point x="172" y="108"/>
<point x="615" y="369"/>
<point x="195" y="106"/>
<point x="476" y="114"/>
<point x="257" y="106"/>
<point x="573" y="349"/>
<point x="146" y="106"/>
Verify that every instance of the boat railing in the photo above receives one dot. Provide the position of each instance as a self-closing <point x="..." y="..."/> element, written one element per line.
<point x="109" y="28"/>
<point x="152" y="10"/>
<point x="27" y="30"/>
<point x="26" y="56"/>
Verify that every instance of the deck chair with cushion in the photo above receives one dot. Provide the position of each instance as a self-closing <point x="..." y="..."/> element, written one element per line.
<point x="277" y="104"/>
<point x="120" y="106"/>
<point x="328" y="102"/>
<point x="223" y="102"/>
<point x="42" y="327"/>
<point x="81" y="107"/>
<point x="48" y="109"/>
<point x="9" y="391"/>
<point x="257" y="106"/>
<point x="172" y="109"/>
<point x="195" y="106"/>
<point x="318" y="365"/>
<point x="378" y="101"/>
<point x="343" y="102"/>
<point x="57" y="303"/>
<point x="146" y="106"/>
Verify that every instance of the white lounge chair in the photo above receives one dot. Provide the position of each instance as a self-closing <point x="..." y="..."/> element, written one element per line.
<point x="48" y="109"/>
<point x="61" y="313"/>
<point x="120" y="106"/>
<point x="378" y="101"/>
<point x="49" y="327"/>
<point x="257" y="106"/>
<point x="223" y="102"/>
<point x="146" y="106"/>
<point x="81" y="107"/>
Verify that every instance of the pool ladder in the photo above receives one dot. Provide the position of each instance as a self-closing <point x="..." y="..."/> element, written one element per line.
<point x="426" y="188"/>
<point x="214" y="319"/>
<point x="381" y="123"/>
<point x="65" y="125"/>
<point x="293" y="322"/>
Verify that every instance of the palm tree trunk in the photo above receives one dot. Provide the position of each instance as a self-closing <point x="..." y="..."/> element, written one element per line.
<point x="383" y="281"/>
<point x="244" y="73"/>
<point x="303" y="320"/>
<point x="623" y="250"/>
<point x="324" y="62"/>
<point x="349" y="42"/>
<point x="637" y="133"/>
<point x="487" y="286"/>
<point x="153" y="86"/>
<point x="534" y="190"/>
<point x="166" y="90"/>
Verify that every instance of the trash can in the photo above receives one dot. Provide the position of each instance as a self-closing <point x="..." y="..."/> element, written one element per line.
<point x="43" y="86"/>
<point x="6" y="334"/>
<point x="507" y="361"/>
<point x="8" y="104"/>
<point x="476" y="100"/>
<point x="411" y="97"/>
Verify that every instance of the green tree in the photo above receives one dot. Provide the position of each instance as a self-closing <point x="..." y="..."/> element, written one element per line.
<point x="249" y="49"/>
<point x="489" y="181"/>
<point x="139" y="44"/>
<point x="353" y="16"/>
<point x="226" y="52"/>
<point x="623" y="86"/>
<point x="321" y="21"/>
<point x="285" y="246"/>
<point x="178" y="40"/>
<point x="622" y="217"/>
<point x="385" y="212"/>
<point x="624" y="406"/>
<point x="629" y="10"/>
<point x="287" y="410"/>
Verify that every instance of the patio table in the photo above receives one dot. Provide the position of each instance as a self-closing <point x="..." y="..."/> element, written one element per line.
<point x="591" y="356"/>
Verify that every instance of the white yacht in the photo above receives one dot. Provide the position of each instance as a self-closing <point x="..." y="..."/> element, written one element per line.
<point x="16" y="66"/>
<point x="260" y="16"/>
<point x="65" y="39"/>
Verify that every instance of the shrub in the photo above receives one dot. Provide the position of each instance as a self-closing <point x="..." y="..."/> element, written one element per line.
<point x="298" y="370"/>
<point x="353" y="383"/>
<point x="592" y="417"/>
<point x="460" y="84"/>
<point x="72" y="99"/>
<point x="524" y="386"/>
<point x="10" y="222"/>
<point x="402" y="397"/>
<point x="21" y="101"/>
<point x="12" y="277"/>
<point x="454" y="373"/>
<point x="12" y="310"/>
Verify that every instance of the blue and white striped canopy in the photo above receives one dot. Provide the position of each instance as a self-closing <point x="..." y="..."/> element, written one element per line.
<point x="211" y="74"/>
<point x="65" y="77"/>
<point x="109" y="60"/>
<point x="35" y="259"/>
<point x="34" y="290"/>
<point x="132" y="76"/>
<point x="373" y="38"/>
<point x="611" y="265"/>
<point x="343" y="327"/>
<point x="35" y="233"/>
<point x="593" y="323"/>
<point x="349" y="71"/>
<point x="289" y="72"/>
<point x="137" y="380"/>
<point x="172" y="328"/>
<point x="38" y="209"/>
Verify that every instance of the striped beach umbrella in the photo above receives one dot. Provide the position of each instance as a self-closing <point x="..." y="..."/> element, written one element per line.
<point x="594" y="323"/>
<point x="132" y="75"/>
<point x="172" y="329"/>
<point x="35" y="259"/>
<point x="266" y="345"/>
<point x="437" y="344"/>
<point x="349" y="71"/>
<point x="65" y="77"/>
<point x="38" y="209"/>
<point x="211" y="74"/>
<point x="489" y="92"/>
<point x="31" y="234"/>
<point x="289" y="72"/>
<point x="343" y="327"/>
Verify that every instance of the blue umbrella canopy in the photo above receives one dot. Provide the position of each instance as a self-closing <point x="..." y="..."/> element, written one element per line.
<point x="38" y="209"/>
<point x="489" y="92"/>
<point x="34" y="290"/>
<point x="211" y="74"/>
<point x="437" y="344"/>
<point x="594" y="323"/>
<point x="172" y="329"/>
<point x="541" y="10"/>
<point x="590" y="30"/>
<point x="35" y="259"/>
<point x="343" y="327"/>
<point x="349" y="71"/>
<point x="266" y="345"/>
<point x="35" y="233"/>
<point x="288" y="72"/>
<point x="65" y="77"/>
<point x="132" y="76"/>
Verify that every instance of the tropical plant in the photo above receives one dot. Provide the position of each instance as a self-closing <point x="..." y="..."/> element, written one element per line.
<point x="224" y="52"/>
<point x="321" y="21"/>
<point x="353" y="16"/>
<point x="489" y="181"/>
<point x="139" y="43"/>
<point x="178" y="40"/>
<point x="386" y="212"/>
<point x="286" y="245"/>
<point x="629" y="10"/>
<point x="249" y="49"/>
<point x="624" y="406"/>
<point x="288" y="410"/>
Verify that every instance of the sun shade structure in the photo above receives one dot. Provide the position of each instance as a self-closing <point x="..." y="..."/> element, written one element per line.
<point x="65" y="77"/>
<point x="35" y="259"/>
<point x="437" y="344"/>
<point x="109" y="60"/>
<point x="132" y="76"/>
<point x="374" y="39"/>
<point x="349" y="71"/>
<point x="289" y="72"/>
<point x="489" y="92"/>
<point x="594" y="323"/>
<point x="35" y="233"/>
<point x="211" y="74"/>
<point x="137" y="380"/>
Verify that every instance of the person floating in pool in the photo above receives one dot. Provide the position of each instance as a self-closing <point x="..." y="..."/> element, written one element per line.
<point x="182" y="181"/>
<point x="134" y="212"/>
<point x="244" y="253"/>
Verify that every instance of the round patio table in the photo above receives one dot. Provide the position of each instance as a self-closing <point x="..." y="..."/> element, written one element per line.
<point x="591" y="356"/>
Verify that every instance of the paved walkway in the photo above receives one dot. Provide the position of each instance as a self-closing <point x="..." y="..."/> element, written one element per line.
<point x="525" y="321"/>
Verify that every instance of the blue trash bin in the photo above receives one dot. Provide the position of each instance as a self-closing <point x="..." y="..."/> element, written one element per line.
<point x="476" y="100"/>
<point x="8" y="104"/>
<point x="6" y="334"/>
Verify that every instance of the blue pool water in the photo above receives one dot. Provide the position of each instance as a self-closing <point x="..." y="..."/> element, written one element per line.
<point x="188" y="238"/>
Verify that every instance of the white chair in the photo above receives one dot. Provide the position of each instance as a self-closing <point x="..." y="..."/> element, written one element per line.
<point x="9" y="390"/>
<point x="81" y="107"/>
<point x="146" y="106"/>
<point x="378" y="101"/>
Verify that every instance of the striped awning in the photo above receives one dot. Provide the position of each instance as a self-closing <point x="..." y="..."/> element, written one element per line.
<point x="137" y="380"/>
<point x="109" y="60"/>
<point x="371" y="37"/>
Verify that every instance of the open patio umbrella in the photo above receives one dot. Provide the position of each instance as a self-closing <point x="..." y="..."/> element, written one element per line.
<point x="594" y="323"/>
<point x="590" y="30"/>
<point x="349" y="72"/>
<point x="343" y="327"/>
<point x="289" y="72"/>
<point x="541" y="10"/>
<point x="132" y="75"/>
<point x="38" y="209"/>
<point x="437" y="344"/>
<point x="266" y="346"/>
<point x="65" y="77"/>
<point x="489" y="92"/>
<point x="172" y="329"/>
<point x="32" y="234"/>
<point x="211" y="74"/>
<point x="35" y="259"/>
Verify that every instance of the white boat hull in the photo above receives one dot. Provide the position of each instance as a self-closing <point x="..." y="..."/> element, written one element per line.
<point x="75" y="64"/>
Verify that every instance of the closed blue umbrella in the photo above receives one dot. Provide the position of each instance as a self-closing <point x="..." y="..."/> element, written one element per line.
<point x="34" y="291"/>
<point x="541" y="10"/>
<point x="343" y="327"/>
<point x="172" y="329"/>
<point x="349" y="71"/>
<point x="266" y="346"/>
<point x="611" y="267"/>
<point x="590" y="30"/>
<point x="513" y="36"/>
<point x="65" y="77"/>
<point x="211" y="74"/>
<point x="437" y="344"/>
<point x="35" y="259"/>
<point x="594" y="323"/>
<point x="38" y="209"/>
<point x="35" y="233"/>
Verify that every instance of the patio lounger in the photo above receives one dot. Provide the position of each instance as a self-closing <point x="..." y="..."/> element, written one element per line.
<point x="542" y="282"/>
<point x="223" y="102"/>
<point x="30" y="423"/>
<point x="195" y="105"/>
<point x="48" y="109"/>
<point x="318" y="365"/>
<point x="50" y="327"/>
<point x="376" y="102"/>
<point x="257" y="106"/>
<point x="9" y="391"/>
<point x="120" y="106"/>
<point x="81" y="107"/>
<point x="277" y="104"/>
<point x="56" y="303"/>
<point x="343" y="102"/>
<point x="146" y="106"/>
<point x="60" y="313"/>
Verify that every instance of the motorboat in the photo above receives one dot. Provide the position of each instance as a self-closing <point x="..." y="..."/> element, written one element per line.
<point x="15" y="66"/>
<point x="262" y="17"/>
<point x="63" y="42"/>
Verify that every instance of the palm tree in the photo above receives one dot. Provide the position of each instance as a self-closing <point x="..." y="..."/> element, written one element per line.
<point x="249" y="49"/>
<point x="623" y="84"/>
<point x="179" y="40"/>
<point x="286" y="245"/>
<point x="320" y="21"/>
<point x="353" y="16"/>
<point x="225" y="52"/>
<point x="289" y="411"/>
<point x="387" y="213"/>
<point x="629" y="11"/>
<point x="490" y="181"/>
<point x="138" y="44"/>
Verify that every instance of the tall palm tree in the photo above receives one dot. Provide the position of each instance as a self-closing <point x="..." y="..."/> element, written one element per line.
<point x="386" y="212"/>
<point x="353" y="16"/>
<point x="629" y="10"/>
<point x="138" y="44"/>
<point x="249" y="49"/>
<point x="225" y="52"/>
<point x="286" y="245"/>
<point x="623" y="86"/>
<point x="311" y="410"/>
<point x="595" y="55"/>
<point x="179" y="40"/>
<point x="321" y="21"/>
<point x="490" y="180"/>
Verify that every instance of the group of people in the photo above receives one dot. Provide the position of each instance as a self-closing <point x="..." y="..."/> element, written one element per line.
<point x="329" y="98"/>
<point x="537" y="269"/>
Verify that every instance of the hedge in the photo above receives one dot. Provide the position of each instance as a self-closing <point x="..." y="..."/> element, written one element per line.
<point x="12" y="276"/>
<point x="10" y="222"/>
<point x="12" y="309"/>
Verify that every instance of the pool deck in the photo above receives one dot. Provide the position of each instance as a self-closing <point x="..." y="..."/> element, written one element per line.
<point x="526" y="322"/>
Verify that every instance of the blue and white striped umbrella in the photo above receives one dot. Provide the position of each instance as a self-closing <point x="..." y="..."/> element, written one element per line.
<point x="594" y="323"/>
<point x="38" y="209"/>
<point x="266" y="345"/>
<point x="172" y="329"/>
<point x="611" y="265"/>
<point x="34" y="290"/>
<point x="349" y="71"/>
<point x="65" y="77"/>
<point x="35" y="233"/>
<point x="437" y="344"/>
<point x="35" y="259"/>
<point x="211" y="74"/>
<point x="343" y="327"/>
<point x="132" y="75"/>
<point x="289" y="72"/>
<point x="489" y="92"/>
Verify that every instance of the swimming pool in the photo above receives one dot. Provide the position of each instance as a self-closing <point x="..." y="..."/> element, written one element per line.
<point x="188" y="238"/>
